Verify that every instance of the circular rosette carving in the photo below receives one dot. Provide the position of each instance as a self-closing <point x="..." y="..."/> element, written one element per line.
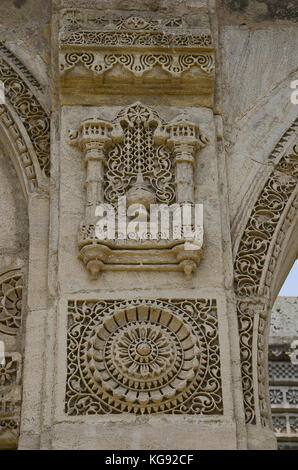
<point x="143" y="359"/>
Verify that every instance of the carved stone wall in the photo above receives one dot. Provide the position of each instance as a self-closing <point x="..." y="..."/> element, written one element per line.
<point x="151" y="342"/>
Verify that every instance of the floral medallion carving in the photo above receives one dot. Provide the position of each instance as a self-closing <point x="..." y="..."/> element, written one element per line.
<point x="11" y="290"/>
<point x="143" y="357"/>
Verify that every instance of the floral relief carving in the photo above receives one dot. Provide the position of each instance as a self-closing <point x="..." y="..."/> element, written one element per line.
<point x="11" y="290"/>
<point x="143" y="357"/>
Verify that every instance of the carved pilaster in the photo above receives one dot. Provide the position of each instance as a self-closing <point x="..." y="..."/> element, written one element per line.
<point x="93" y="139"/>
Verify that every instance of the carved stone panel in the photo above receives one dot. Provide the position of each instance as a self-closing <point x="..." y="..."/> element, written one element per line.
<point x="143" y="357"/>
<point x="148" y="161"/>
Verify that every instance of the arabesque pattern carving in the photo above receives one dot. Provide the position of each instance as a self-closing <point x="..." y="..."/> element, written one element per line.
<point x="276" y="202"/>
<point x="265" y="216"/>
<point x="137" y="63"/>
<point x="143" y="357"/>
<point x="99" y="38"/>
<point x="11" y="290"/>
<point x="29" y="110"/>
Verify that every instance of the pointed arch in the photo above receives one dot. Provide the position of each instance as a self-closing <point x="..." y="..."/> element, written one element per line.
<point x="261" y="250"/>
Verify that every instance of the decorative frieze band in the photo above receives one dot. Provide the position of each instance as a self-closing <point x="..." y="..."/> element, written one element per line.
<point x="102" y="43"/>
<point x="138" y="63"/>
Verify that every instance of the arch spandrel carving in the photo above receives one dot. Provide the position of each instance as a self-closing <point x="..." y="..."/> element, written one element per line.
<point x="23" y="105"/>
<point x="256" y="264"/>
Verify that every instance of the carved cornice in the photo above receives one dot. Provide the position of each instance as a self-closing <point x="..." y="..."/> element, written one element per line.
<point x="101" y="43"/>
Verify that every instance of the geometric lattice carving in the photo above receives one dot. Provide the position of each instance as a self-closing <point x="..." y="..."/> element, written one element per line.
<point x="11" y="289"/>
<point x="139" y="154"/>
<point x="283" y="372"/>
<point x="143" y="357"/>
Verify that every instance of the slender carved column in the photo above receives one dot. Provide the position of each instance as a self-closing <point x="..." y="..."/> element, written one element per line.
<point x="184" y="140"/>
<point x="93" y="139"/>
